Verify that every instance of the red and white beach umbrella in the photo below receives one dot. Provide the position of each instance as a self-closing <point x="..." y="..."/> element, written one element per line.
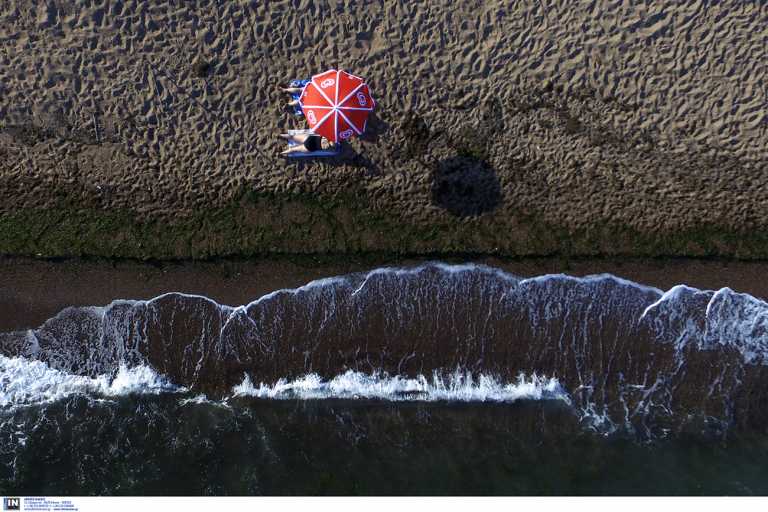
<point x="336" y="104"/>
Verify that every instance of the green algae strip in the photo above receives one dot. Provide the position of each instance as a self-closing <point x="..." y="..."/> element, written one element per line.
<point x="262" y="224"/>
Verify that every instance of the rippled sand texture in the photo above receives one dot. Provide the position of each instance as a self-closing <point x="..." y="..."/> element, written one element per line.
<point x="578" y="117"/>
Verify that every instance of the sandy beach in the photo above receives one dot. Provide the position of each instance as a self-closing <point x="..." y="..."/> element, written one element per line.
<point x="149" y="129"/>
<point x="609" y="150"/>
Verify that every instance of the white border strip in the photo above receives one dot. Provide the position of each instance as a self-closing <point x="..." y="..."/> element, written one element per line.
<point x="387" y="504"/>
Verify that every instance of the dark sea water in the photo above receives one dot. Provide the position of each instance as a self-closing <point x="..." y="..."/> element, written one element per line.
<point x="153" y="445"/>
<point x="429" y="380"/>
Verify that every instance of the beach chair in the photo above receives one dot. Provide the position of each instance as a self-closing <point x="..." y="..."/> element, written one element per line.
<point x="336" y="151"/>
<point x="296" y="95"/>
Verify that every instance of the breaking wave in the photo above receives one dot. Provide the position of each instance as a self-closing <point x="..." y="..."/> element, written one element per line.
<point x="457" y="387"/>
<point x="624" y="354"/>
<point x="25" y="382"/>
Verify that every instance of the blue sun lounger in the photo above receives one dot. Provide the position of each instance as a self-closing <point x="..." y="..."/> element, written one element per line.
<point x="336" y="151"/>
<point x="296" y="95"/>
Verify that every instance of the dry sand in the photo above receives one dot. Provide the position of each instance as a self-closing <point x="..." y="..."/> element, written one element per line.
<point x="526" y="124"/>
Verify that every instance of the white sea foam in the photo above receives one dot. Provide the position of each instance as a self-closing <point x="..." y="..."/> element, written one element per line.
<point x="29" y="382"/>
<point x="457" y="387"/>
<point x="202" y="399"/>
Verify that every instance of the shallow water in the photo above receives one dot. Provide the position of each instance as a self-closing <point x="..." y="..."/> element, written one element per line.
<point x="434" y="379"/>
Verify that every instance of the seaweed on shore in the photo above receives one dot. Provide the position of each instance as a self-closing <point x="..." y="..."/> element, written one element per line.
<point x="303" y="224"/>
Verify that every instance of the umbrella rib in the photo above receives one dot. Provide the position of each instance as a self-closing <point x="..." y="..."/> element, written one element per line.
<point x="330" y="103"/>
<point x="350" y="123"/>
<point x="337" y="89"/>
<point x="322" y="120"/>
<point x="353" y="108"/>
<point x="350" y="94"/>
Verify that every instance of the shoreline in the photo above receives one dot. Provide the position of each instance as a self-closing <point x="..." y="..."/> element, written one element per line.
<point x="32" y="290"/>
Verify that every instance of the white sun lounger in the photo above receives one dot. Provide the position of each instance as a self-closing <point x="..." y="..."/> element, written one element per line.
<point x="299" y="154"/>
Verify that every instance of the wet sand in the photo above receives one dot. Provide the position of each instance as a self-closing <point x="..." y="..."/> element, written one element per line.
<point x="31" y="291"/>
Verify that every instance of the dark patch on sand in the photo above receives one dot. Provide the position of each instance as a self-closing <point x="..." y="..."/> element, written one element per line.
<point x="201" y="69"/>
<point x="29" y="134"/>
<point x="465" y="186"/>
<point x="416" y="135"/>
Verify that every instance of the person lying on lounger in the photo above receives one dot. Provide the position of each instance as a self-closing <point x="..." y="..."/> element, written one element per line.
<point x="294" y="89"/>
<point x="306" y="143"/>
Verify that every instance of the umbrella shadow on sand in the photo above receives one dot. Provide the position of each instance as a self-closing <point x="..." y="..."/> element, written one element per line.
<point x="465" y="186"/>
<point x="375" y="129"/>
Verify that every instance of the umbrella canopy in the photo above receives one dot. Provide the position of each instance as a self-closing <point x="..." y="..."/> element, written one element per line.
<point x="336" y="104"/>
